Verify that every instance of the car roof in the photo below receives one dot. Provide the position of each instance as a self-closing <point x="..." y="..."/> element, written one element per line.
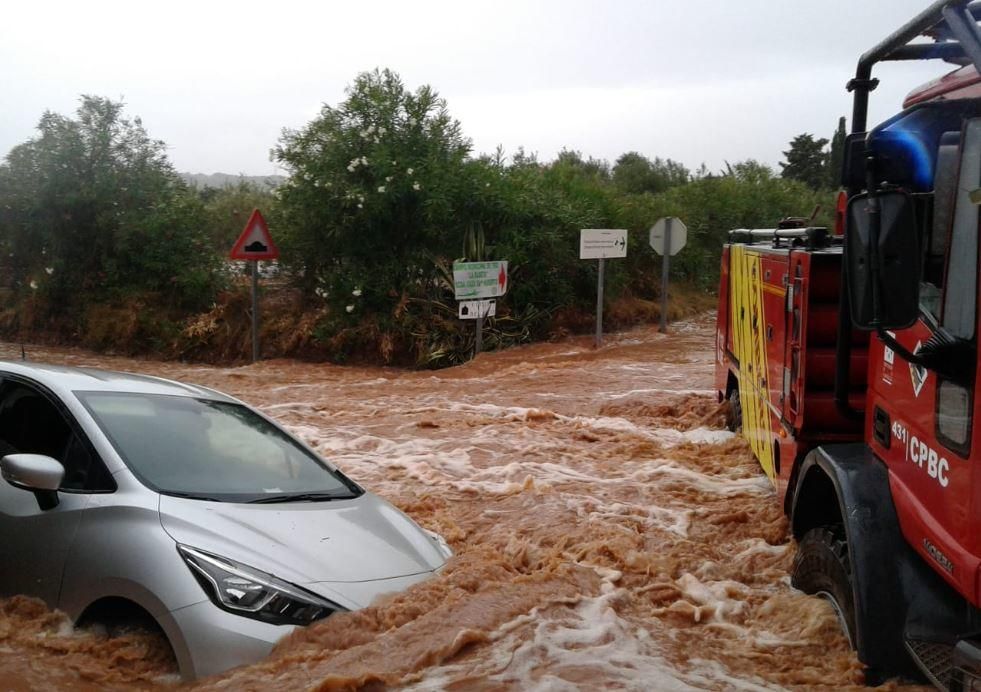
<point x="62" y="378"/>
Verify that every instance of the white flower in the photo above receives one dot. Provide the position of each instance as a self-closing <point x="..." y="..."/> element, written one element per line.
<point x="350" y="308"/>
<point x="486" y="184"/>
<point x="49" y="270"/>
<point x="381" y="188"/>
<point x="412" y="121"/>
<point x="371" y="128"/>
<point x="382" y="130"/>
<point x="377" y="140"/>
<point x="394" y="162"/>
<point x="410" y="171"/>
<point x="33" y="285"/>
<point x="364" y="161"/>
<point x="361" y="198"/>
<point x="360" y="206"/>
<point x="356" y="293"/>
<point x="415" y="186"/>
<point x="350" y="169"/>
<point x="388" y="178"/>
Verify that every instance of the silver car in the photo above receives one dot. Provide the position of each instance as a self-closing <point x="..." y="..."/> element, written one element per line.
<point x="134" y="497"/>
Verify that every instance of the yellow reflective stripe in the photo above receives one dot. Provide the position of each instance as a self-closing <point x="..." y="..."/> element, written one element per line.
<point x="749" y="343"/>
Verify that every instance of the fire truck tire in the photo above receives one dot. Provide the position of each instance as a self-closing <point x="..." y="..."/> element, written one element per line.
<point x="821" y="567"/>
<point x="734" y="415"/>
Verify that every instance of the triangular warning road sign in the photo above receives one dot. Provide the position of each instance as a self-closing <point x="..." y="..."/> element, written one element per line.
<point x="255" y="243"/>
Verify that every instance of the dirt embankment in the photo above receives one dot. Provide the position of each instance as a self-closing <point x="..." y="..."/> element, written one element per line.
<point x="294" y="327"/>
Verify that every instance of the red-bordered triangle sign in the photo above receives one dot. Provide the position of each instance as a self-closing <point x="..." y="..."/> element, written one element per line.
<point x="255" y="243"/>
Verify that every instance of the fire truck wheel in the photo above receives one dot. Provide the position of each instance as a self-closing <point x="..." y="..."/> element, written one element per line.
<point x="734" y="416"/>
<point x="821" y="567"/>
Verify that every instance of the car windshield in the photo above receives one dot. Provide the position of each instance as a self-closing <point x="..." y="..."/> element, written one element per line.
<point x="208" y="449"/>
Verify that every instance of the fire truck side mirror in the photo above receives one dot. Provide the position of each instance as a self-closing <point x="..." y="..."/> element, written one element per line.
<point x="853" y="163"/>
<point x="884" y="276"/>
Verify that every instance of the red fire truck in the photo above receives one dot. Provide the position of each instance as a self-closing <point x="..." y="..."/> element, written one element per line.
<point x="849" y="360"/>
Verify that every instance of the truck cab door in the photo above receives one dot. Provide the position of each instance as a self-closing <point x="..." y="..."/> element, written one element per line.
<point x="918" y="422"/>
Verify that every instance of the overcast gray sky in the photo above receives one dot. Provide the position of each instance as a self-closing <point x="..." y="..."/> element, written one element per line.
<point x="705" y="81"/>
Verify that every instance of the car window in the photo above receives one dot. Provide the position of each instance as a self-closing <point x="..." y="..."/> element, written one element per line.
<point x="206" y="448"/>
<point x="31" y="424"/>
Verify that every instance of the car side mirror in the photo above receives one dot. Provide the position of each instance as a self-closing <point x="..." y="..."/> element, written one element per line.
<point x="882" y="254"/>
<point x="35" y="472"/>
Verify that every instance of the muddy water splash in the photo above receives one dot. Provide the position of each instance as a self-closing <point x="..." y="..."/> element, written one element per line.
<point x="608" y="532"/>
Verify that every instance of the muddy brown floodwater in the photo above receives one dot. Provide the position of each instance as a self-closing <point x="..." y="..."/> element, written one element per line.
<point x="609" y="534"/>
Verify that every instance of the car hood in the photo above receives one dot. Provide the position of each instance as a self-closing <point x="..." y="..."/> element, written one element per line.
<point x="355" y="540"/>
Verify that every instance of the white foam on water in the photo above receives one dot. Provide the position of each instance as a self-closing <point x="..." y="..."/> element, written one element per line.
<point x="714" y="484"/>
<point x="292" y="406"/>
<point x="672" y="520"/>
<point x="451" y="462"/>
<point x="595" y="638"/>
<point x="712" y="675"/>
<point x="591" y="639"/>
<point x="298" y="385"/>
<point x="757" y="546"/>
<point x="708" y="436"/>
<point x="715" y="601"/>
<point x="614" y="396"/>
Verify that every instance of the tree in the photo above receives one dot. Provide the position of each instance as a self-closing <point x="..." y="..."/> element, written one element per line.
<point x="572" y="163"/>
<point x="634" y="173"/>
<point x="836" y="158"/>
<point x="375" y="183"/>
<point x="806" y="161"/>
<point x="91" y="208"/>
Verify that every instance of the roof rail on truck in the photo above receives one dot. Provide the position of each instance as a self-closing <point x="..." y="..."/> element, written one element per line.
<point x="953" y="26"/>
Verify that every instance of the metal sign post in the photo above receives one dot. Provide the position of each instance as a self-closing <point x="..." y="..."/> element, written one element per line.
<point x="665" y="270"/>
<point x="599" y="303"/>
<point x="600" y="243"/>
<point x="255" y="311"/>
<point x="667" y="237"/>
<point x="478" y="346"/>
<point x="485" y="308"/>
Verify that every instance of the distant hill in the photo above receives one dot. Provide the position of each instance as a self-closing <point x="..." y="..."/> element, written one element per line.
<point x="220" y="180"/>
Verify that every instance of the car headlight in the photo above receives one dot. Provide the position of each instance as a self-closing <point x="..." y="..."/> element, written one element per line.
<point x="251" y="593"/>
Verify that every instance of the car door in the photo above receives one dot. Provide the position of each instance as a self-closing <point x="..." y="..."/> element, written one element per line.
<point x="34" y="543"/>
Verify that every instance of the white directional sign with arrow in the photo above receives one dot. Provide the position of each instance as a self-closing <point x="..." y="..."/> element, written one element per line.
<point x="601" y="243"/>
